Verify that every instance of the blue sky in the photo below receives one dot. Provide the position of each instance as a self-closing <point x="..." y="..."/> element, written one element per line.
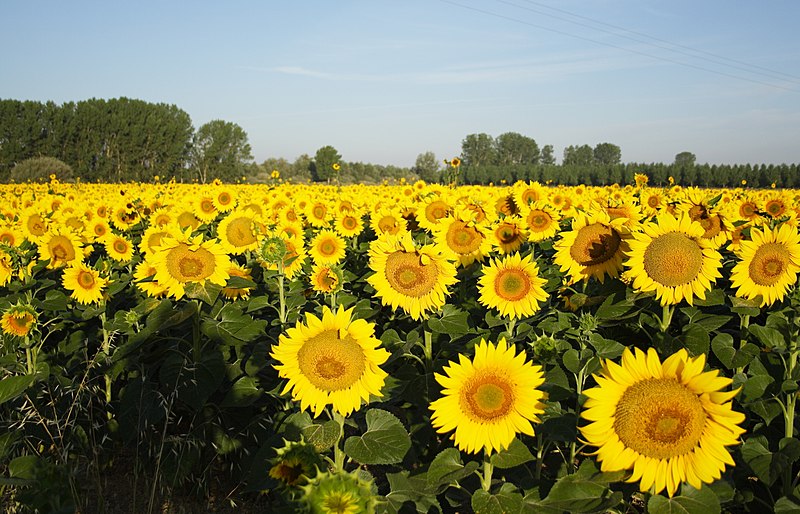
<point x="383" y="81"/>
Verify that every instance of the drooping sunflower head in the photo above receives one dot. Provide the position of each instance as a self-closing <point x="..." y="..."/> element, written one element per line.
<point x="18" y="320"/>
<point x="671" y="258"/>
<point x="512" y="286"/>
<point x="768" y="264"/>
<point x="486" y="401"/>
<point x="339" y="492"/>
<point x="414" y="279"/>
<point x="295" y="462"/>
<point x="593" y="248"/>
<point x="667" y="422"/>
<point x="333" y="360"/>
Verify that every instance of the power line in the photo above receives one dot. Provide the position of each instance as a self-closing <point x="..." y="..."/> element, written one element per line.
<point x="667" y="45"/>
<point x="677" y="45"/>
<point x="618" y="47"/>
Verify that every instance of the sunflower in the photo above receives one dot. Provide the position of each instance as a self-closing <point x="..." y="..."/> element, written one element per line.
<point x="6" y="267"/>
<point x="18" y="320"/>
<point x="768" y="264"/>
<point x="541" y="220"/>
<point x="327" y="247"/>
<point x="60" y="247"/>
<point x="651" y="201"/>
<point x="331" y="361"/>
<point x="152" y="237"/>
<point x="432" y="212"/>
<point x="34" y="224"/>
<point x="512" y="286"/>
<point x="461" y="239"/>
<point x="414" y="279"/>
<point x="10" y="235"/>
<point x="489" y="399"/>
<point x="349" y="224"/>
<point x="669" y="422"/>
<point x="294" y="255"/>
<point x="184" y="259"/>
<point x="387" y="221"/>
<point x="233" y="292"/>
<point x="593" y="248"/>
<point x="295" y="462"/>
<point x="508" y="234"/>
<point x="528" y="193"/>
<point x="144" y="276"/>
<point x="97" y="229"/>
<point x="118" y="248"/>
<point x="339" y="492"/>
<point x="204" y="208"/>
<point x="237" y="232"/>
<point x="325" y="278"/>
<point x="85" y="283"/>
<point x="318" y="214"/>
<point x="224" y="199"/>
<point x="671" y="258"/>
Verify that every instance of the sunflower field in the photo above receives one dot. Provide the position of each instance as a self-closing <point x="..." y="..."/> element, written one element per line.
<point x="398" y="348"/>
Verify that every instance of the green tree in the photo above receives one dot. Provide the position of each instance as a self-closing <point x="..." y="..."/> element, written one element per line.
<point x="427" y="167"/>
<point x="607" y="154"/>
<point x="547" y="155"/>
<point x="578" y="155"/>
<point x="513" y="148"/>
<point x="322" y="169"/>
<point x="39" y="169"/>
<point x="220" y="150"/>
<point x="685" y="159"/>
<point x="477" y="150"/>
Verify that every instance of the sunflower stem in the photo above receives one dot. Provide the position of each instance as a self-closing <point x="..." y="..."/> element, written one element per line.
<point x="281" y="294"/>
<point x="106" y="347"/>
<point x="428" y="337"/>
<point x="196" y="347"/>
<point x="539" y="457"/>
<point x="510" y="328"/>
<point x="666" y="317"/>
<point x="338" y="453"/>
<point x="488" y="468"/>
<point x="744" y="322"/>
<point x="333" y="302"/>
<point x="29" y="357"/>
<point x="791" y="403"/>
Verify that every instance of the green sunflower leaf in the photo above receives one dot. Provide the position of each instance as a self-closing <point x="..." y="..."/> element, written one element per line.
<point x="502" y="503"/>
<point x="386" y="440"/>
<point x="690" y="501"/>
<point x="516" y="454"/>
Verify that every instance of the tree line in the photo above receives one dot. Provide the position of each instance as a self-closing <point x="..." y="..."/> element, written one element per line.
<point x="511" y="157"/>
<point x="116" y="140"/>
<point x="122" y="139"/>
